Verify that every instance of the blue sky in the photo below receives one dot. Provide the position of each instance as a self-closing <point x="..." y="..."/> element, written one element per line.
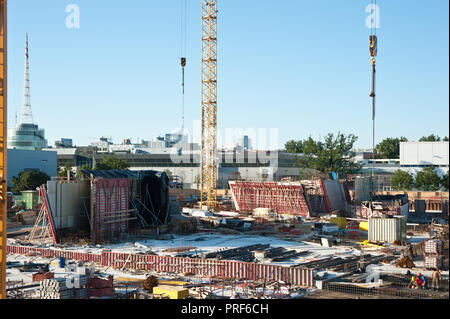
<point x="296" y="65"/>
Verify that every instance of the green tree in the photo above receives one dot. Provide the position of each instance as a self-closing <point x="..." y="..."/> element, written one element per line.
<point x="294" y="147"/>
<point x="28" y="180"/>
<point x="110" y="163"/>
<point x="63" y="172"/>
<point x="431" y="138"/>
<point x="389" y="148"/>
<point x="445" y="139"/>
<point x="428" y="180"/>
<point x="169" y="174"/>
<point x="332" y="155"/>
<point x="445" y="181"/>
<point x="402" y="181"/>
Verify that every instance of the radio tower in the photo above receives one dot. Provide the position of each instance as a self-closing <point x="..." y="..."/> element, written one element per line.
<point x="209" y="161"/>
<point x="26" y="116"/>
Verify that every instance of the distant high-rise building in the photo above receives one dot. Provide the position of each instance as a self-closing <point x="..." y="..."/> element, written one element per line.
<point x="64" y="143"/>
<point x="26" y="135"/>
<point x="245" y="143"/>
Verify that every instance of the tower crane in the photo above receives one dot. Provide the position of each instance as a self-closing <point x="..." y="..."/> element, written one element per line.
<point x="3" y="146"/>
<point x="209" y="160"/>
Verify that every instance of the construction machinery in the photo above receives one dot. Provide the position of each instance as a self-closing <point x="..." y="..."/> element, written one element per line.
<point x="3" y="146"/>
<point x="209" y="160"/>
<point x="373" y="49"/>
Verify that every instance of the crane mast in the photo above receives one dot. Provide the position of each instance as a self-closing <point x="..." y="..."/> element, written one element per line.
<point x="209" y="160"/>
<point x="3" y="148"/>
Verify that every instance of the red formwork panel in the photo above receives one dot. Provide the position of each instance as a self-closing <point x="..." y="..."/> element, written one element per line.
<point x="111" y="207"/>
<point x="205" y="268"/>
<point x="283" y="198"/>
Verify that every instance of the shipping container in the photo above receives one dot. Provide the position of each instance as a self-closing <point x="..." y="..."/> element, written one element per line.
<point x="387" y="229"/>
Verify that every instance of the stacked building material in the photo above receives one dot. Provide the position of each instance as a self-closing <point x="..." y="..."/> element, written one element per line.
<point x="433" y="254"/>
<point x="27" y="218"/>
<point x="353" y="229"/>
<point x="390" y="205"/>
<point x="57" y="288"/>
<point x="99" y="287"/>
<point x="44" y="276"/>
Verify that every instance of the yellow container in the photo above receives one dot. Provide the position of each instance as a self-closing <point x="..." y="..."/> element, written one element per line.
<point x="172" y="292"/>
<point x="340" y="221"/>
<point x="364" y="226"/>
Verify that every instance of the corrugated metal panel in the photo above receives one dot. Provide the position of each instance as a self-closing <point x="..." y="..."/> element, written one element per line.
<point x="386" y="229"/>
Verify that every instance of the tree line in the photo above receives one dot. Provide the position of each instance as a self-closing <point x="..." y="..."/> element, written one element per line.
<point x="389" y="148"/>
<point x="335" y="154"/>
<point x="425" y="180"/>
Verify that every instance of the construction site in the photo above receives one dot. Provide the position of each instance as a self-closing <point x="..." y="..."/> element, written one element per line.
<point x="127" y="234"/>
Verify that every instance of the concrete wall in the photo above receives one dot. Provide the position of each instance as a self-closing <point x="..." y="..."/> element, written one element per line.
<point x="20" y="160"/>
<point x="66" y="204"/>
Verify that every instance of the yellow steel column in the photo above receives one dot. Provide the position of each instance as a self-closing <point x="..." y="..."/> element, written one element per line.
<point x="3" y="149"/>
<point x="209" y="161"/>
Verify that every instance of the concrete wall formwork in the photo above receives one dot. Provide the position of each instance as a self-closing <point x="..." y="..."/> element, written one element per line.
<point x="283" y="198"/>
<point x="69" y="204"/>
<point x="204" y="268"/>
<point x="334" y="191"/>
<point x="111" y="204"/>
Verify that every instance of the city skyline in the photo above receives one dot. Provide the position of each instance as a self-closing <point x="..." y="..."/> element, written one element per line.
<point x="61" y="108"/>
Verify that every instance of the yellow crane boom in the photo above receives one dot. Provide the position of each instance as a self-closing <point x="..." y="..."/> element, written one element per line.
<point x="209" y="160"/>
<point x="3" y="148"/>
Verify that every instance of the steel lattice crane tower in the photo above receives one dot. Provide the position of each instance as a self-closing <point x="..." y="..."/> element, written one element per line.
<point x="3" y="148"/>
<point x="209" y="160"/>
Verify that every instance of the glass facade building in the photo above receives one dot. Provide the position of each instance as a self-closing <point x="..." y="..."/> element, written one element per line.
<point x="27" y="137"/>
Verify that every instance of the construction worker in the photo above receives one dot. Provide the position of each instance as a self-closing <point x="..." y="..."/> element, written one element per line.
<point x="421" y="281"/>
<point x="412" y="284"/>
<point x="436" y="279"/>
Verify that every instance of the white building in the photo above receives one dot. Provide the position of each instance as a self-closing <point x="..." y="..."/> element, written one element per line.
<point x="415" y="156"/>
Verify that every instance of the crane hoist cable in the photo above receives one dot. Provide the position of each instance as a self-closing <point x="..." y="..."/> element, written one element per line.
<point x="373" y="49"/>
<point x="183" y="46"/>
